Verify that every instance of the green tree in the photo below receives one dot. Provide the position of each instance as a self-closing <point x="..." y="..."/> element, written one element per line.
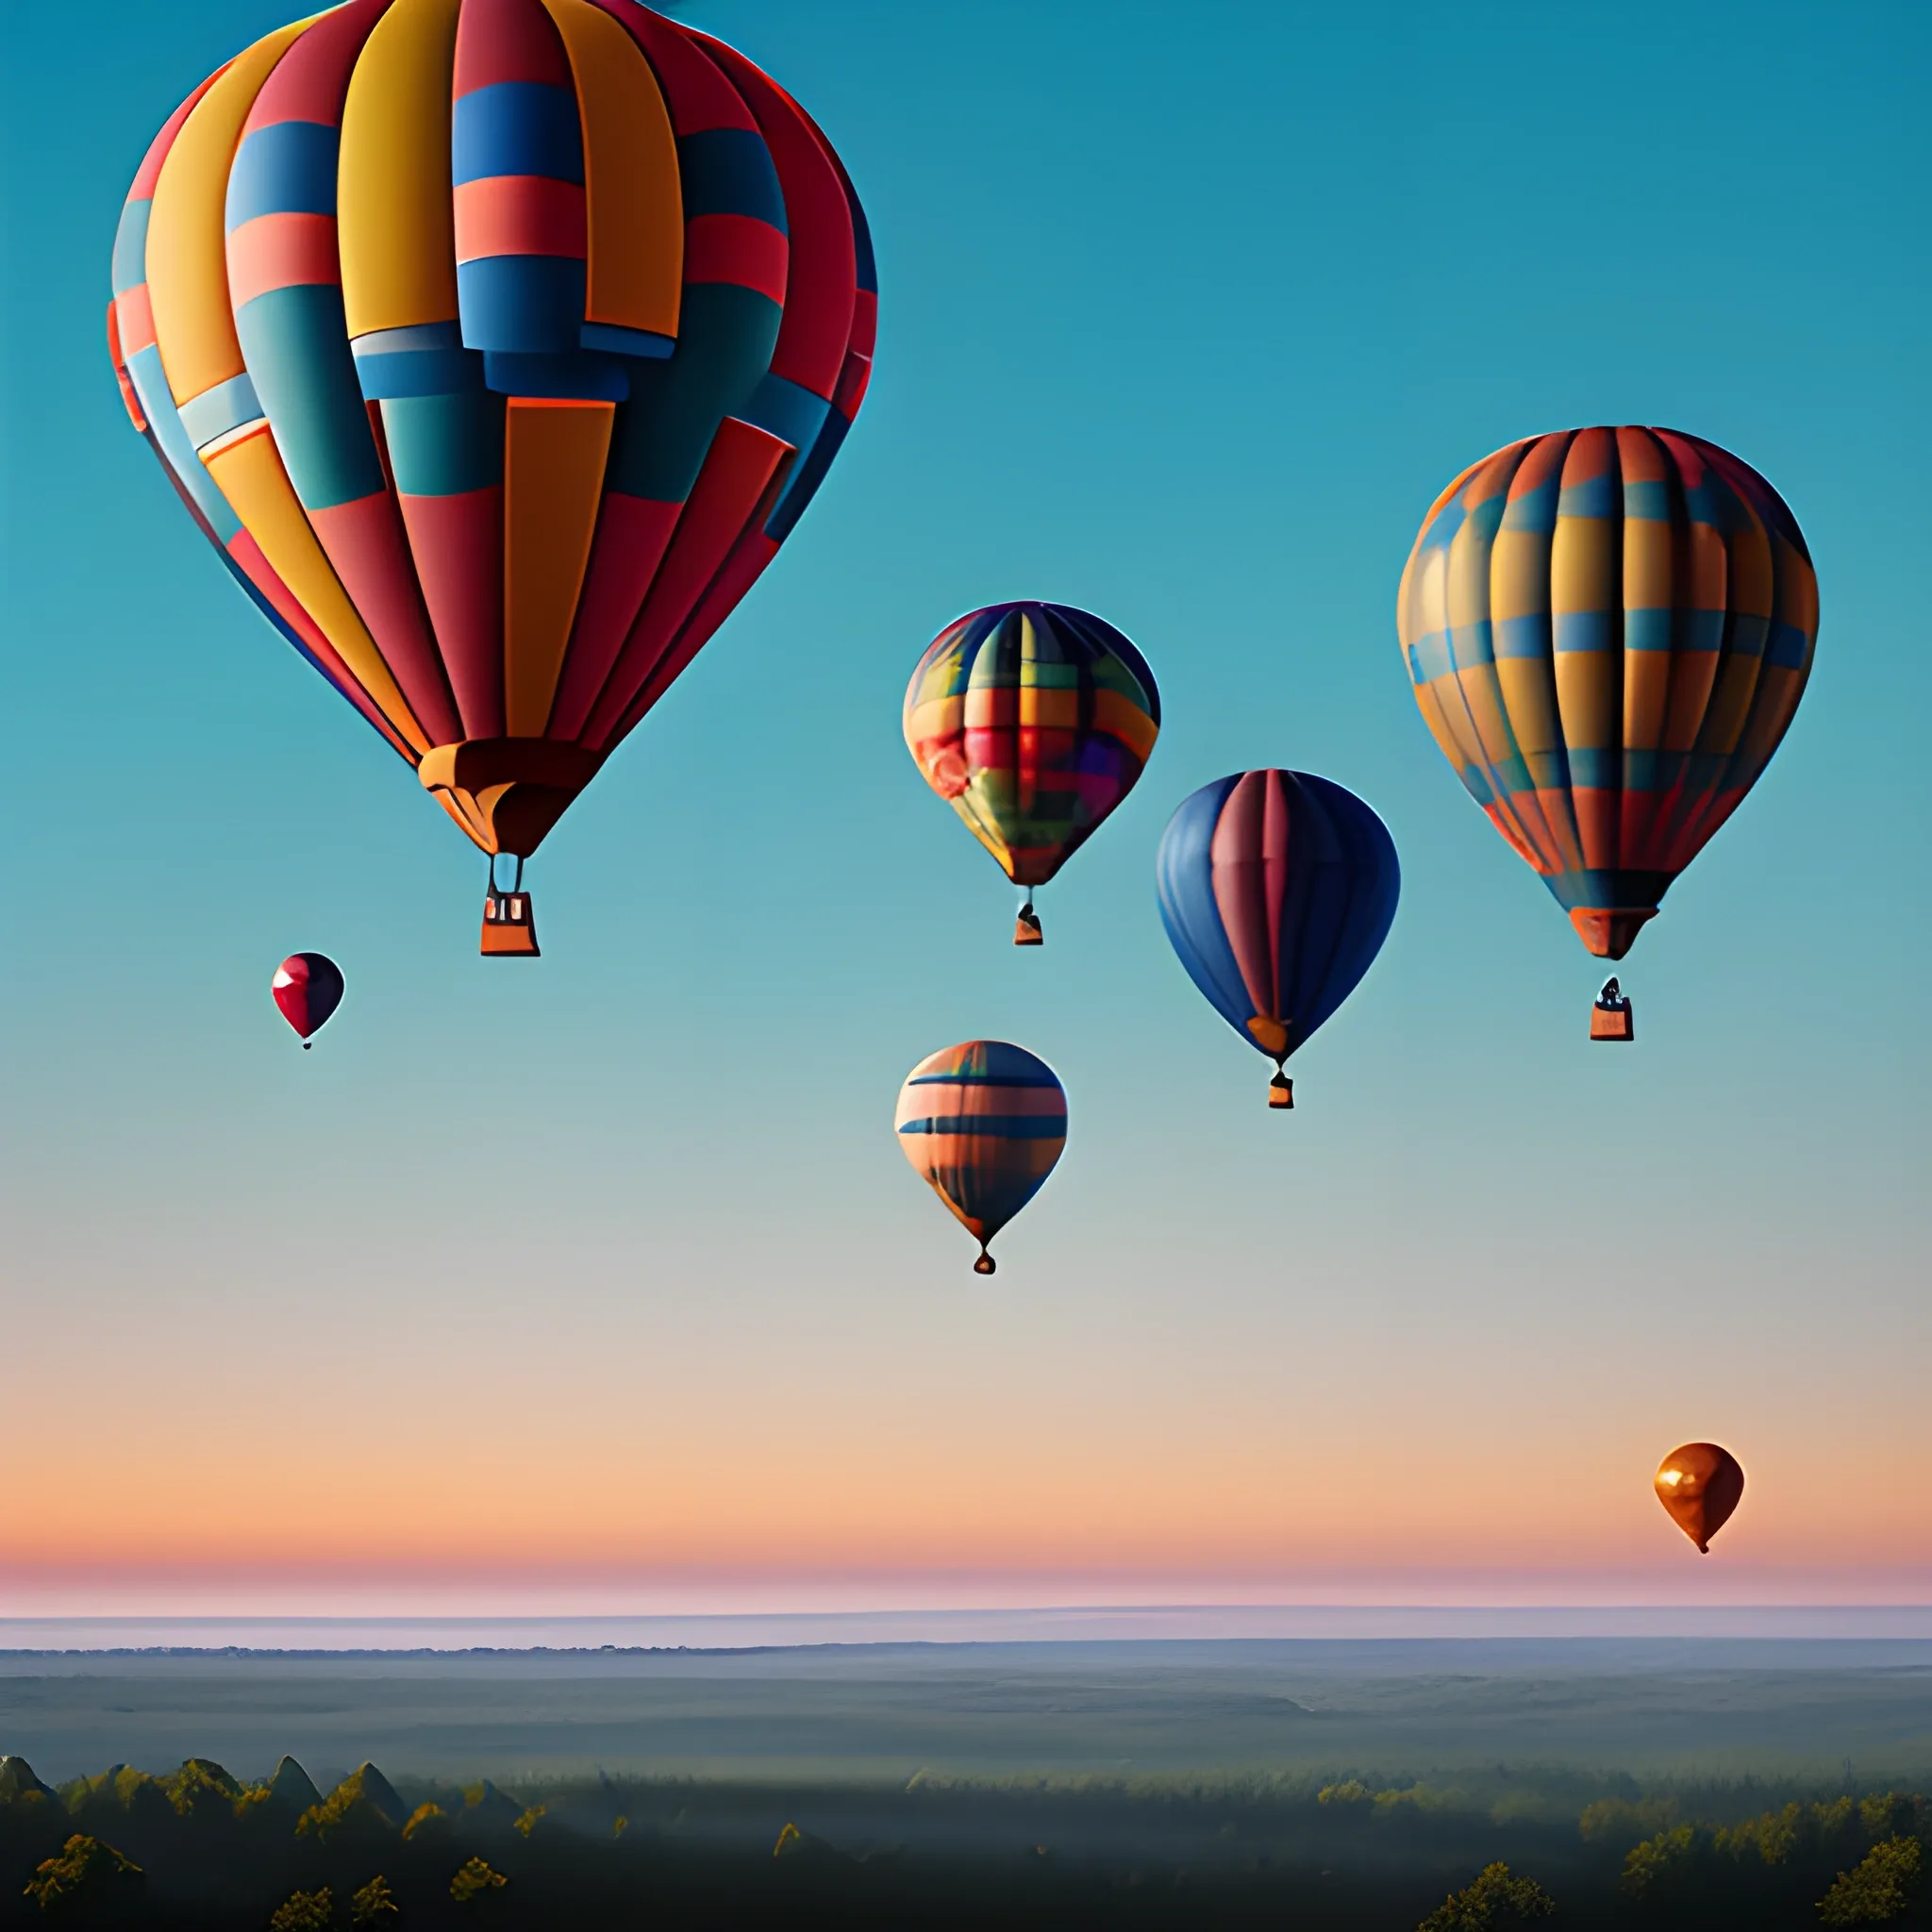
<point x="1659" y="1858"/>
<point x="1876" y="1888"/>
<point x="305" y="1911"/>
<point x="374" y="1903"/>
<point x="1495" y="1898"/>
<point x="86" y="1870"/>
<point x="474" y="1879"/>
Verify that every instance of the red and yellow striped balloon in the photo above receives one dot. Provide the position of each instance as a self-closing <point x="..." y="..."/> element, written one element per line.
<point x="1608" y="631"/>
<point x="496" y="345"/>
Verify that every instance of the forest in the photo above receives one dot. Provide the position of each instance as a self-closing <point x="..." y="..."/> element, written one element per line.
<point x="1497" y="1847"/>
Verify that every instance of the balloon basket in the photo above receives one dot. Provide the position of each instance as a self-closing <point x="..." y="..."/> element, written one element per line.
<point x="509" y="926"/>
<point x="986" y="1264"/>
<point x="1026" y="928"/>
<point x="1281" y="1091"/>
<point x="1611" y="1018"/>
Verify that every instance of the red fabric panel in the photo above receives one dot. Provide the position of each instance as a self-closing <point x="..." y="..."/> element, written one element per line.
<point x="311" y="79"/>
<point x="457" y="545"/>
<point x="819" y="297"/>
<point x="728" y="490"/>
<point x="520" y="214"/>
<point x="364" y="542"/>
<point x="507" y="40"/>
<point x="632" y="536"/>
<point x="699" y="97"/>
<point x="737" y="249"/>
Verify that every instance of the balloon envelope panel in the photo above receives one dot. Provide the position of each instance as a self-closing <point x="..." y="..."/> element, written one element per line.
<point x="984" y="1123"/>
<point x="1276" y="889"/>
<point x="497" y="344"/>
<point x="1033" y="720"/>
<point x="1608" y="631"/>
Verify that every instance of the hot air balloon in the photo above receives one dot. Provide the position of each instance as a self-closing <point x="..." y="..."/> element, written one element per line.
<point x="1033" y="720"/>
<point x="1608" y="631"/>
<point x="984" y="1123"/>
<point x="1278" y="889"/>
<point x="307" y="988"/>
<point x="496" y="345"/>
<point x="1700" y="1485"/>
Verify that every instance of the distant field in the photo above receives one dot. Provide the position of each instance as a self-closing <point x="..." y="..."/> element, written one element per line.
<point x="866" y="1714"/>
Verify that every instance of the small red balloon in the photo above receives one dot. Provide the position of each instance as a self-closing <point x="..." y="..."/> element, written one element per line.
<point x="1700" y="1485"/>
<point x="307" y="988"/>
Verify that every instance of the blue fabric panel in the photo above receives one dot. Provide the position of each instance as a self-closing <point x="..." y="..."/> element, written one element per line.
<point x="728" y="171"/>
<point x="151" y="385"/>
<point x="215" y="412"/>
<point x="289" y="168"/>
<point x="1650" y="630"/>
<point x="582" y="377"/>
<point x="657" y="445"/>
<point x="1524" y="637"/>
<point x="1595" y="498"/>
<point x="444" y="445"/>
<point x="130" y="246"/>
<point x="1585" y="630"/>
<point x="1184" y="885"/>
<point x="1002" y="1126"/>
<point x="808" y="473"/>
<point x="426" y="361"/>
<point x="294" y="343"/>
<point x="785" y="409"/>
<point x="521" y="304"/>
<point x="1786" y="646"/>
<point x="613" y="341"/>
<point x="1596" y="768"/>
<point x="1647" y="502"/>
<point x="516" y="127"/>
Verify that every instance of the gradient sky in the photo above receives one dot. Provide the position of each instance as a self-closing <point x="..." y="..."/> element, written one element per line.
<point x="601" y="1282"/>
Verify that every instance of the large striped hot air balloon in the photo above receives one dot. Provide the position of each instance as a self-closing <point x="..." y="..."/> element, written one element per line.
<point x="496" y="345"/>
<point x="1033" y="720"/>
<point x="1608" y="631"/>
<point x="984" y="1123"/>
<point x="1276" y="889"/>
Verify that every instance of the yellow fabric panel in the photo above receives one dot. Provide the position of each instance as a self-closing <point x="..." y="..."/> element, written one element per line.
<point x="187" y="240"/>
<point x="1529" y="697"/>
<point x="1519" y="574"/>
<point x="1711" y="568"/>
<point x="1582" y="565"/>
<point x="1115" y="712"/>
<point x="1052" y="711"/>
<point x="1777" y="700"/>
<point x="1431" y="702"/>
<point x="1750" y="573"/>
<point x="1646" y="692"/>
<point x="1650" y="558"/>
<point x="1466" y="586"/>
<point x="1421" y="605"/>
<point x="1797" y="588"/>
<point x="250" y="474"/>
<point x="552" y="479"/>
<point x="634" y="202"/>
<point x="395" y="214"/>
<point x="1693" y="674"/>
<point x="1730" y="704"/>
<point x="1483" y="696"/>
<point x="1590" y="699"/>
<point x="935" y="718"/>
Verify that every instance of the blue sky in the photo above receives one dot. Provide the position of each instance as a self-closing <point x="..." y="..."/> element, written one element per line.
<point x="1186" y="317"/>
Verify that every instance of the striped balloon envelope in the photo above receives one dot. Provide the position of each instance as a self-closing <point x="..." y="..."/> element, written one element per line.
<point x="496" y="345"/>
<point x="984" y="1123"/>
<point x="307" y="988"/>
<point x="1276" y="889"/>
<point x="1033" y="720"/>
<point x="1608" y="631"/>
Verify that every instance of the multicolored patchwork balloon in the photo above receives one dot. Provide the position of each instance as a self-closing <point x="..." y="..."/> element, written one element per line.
<point x="307" y="988"/>
<point x="1033" y="720"/>
<point x="984" y="1123"/>
<point x="1608" y="631"/>
<point x="1276" y="889"/>
<point x="496" y="345"/>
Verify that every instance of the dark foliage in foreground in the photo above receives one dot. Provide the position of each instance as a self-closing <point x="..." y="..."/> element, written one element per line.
<point x="198" y="1848"/>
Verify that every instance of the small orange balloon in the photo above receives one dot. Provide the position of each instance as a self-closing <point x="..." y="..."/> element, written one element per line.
<point x="1700" y="1485"/>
